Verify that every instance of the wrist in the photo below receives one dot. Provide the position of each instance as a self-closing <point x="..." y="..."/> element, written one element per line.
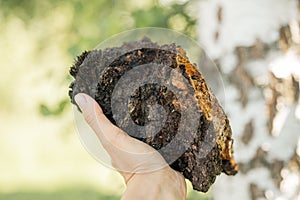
<point x="162" y="184"/>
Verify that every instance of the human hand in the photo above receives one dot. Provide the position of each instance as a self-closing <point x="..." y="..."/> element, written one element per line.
<point x="145" y="172"/>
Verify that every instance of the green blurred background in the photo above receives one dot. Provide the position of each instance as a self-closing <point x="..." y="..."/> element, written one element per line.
<point x="41" y="156"/>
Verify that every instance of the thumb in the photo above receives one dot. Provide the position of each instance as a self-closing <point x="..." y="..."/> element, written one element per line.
<point x="127" y="154"/>
<point x="105" y="130"/>
<point x="109" y="135"/>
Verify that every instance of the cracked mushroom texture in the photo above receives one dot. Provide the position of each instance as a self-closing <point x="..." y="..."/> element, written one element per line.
<point x="209" y="153"/>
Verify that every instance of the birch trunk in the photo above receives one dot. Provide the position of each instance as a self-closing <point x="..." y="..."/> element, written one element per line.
<point x="255" y="44"/>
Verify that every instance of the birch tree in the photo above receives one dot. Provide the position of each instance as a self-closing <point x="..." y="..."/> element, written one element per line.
<point x="256" y="46"/>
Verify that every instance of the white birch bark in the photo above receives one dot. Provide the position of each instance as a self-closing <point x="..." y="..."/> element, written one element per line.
<point x="255" y="44"/>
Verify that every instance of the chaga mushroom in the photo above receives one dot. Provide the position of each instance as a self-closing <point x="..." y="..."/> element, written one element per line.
<point x="210" y="149"/>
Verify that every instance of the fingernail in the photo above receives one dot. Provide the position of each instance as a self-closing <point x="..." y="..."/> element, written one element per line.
<point x="80" y="99"/>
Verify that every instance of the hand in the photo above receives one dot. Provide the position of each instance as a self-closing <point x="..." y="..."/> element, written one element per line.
<point x="145" y="172"/>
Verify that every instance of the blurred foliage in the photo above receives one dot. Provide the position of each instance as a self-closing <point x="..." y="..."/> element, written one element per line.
<point x="95" y="20"/>
<point x="63" y="194"/>
<point x="44" y="35"/>
<point x="158" y="16"/>
<point x="47" y="111"/>
<point x="78" y="193"/>
<point x="91" y="22"/>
